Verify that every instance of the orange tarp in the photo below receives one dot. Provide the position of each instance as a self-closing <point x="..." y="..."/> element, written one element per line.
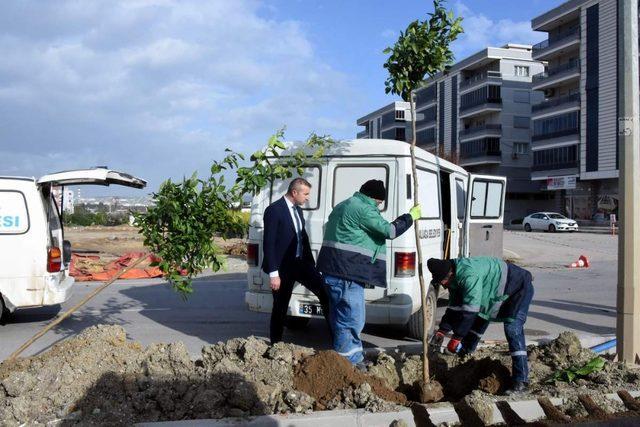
<point x="89" y="268"/>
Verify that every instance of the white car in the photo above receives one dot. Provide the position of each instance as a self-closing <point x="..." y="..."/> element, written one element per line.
<point x="550" y="221"/>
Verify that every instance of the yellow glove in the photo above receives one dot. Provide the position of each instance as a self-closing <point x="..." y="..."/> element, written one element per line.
<point x="415" y="212"/>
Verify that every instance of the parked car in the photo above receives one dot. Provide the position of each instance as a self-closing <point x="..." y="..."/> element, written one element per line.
<point x="549" y="221"/>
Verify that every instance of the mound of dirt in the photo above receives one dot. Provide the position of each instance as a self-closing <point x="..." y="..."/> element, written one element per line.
<point x="336" y="383"/>
<point x="98" y="377"/>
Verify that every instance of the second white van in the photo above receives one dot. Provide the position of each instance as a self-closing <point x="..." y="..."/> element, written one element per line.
<point x="35" y="257"/>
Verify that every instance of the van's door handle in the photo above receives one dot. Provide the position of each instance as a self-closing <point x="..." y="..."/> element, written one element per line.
<point x="487" y="226"/>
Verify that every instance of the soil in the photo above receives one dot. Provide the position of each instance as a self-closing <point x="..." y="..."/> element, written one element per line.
<point x="326" y="375"/>
<point x="102" y="245"/>
<point x="99" y="377"/>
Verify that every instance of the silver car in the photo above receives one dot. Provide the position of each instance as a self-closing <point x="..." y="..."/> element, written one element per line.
<point x="549" y="221"/>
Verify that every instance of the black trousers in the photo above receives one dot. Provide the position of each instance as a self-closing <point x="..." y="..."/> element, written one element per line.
<point x="301" y="271"/>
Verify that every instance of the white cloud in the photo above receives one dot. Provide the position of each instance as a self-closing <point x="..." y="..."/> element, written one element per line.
<point x="481" y="32"/>
<point x="157" y="87"/>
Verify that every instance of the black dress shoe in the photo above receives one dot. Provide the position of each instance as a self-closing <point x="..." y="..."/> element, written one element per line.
<point x="517" y="387"/>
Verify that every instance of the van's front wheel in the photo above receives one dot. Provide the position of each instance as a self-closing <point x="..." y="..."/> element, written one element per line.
<point x="414" y="326"/>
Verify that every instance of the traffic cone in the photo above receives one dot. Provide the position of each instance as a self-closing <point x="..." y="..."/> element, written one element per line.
<point x="583" y="262"/>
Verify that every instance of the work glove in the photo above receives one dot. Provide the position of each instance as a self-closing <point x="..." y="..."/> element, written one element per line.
<point x="454" y="345"/>
<point x="436" y="340"/>
<point x="415" y="212"/>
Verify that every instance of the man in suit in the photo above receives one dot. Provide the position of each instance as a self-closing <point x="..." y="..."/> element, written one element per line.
<point x="287" y="254"/>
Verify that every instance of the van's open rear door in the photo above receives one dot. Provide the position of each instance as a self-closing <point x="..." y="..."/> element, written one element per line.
<point x="94" y="176"/>
<point x="485" y="215"/>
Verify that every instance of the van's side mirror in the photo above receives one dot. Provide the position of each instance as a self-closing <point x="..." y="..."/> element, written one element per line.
<point x="66" y="252"/>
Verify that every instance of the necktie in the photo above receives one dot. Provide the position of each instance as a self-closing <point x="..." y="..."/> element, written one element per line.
<point x="298" y="232"/>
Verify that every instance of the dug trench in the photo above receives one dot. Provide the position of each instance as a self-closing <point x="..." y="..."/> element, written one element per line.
<point x="100" y="377"/>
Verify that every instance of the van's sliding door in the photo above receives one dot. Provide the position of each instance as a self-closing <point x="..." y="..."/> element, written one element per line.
<point x="485" y="215"/>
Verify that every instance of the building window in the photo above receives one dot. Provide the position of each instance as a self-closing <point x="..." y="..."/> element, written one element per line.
<point x="520" y="148"/>
<point x="399" y="115"/>
<point x="565" y="124"/>
<point x="521" y="96"/>
<point x="521" y="122"/>
<point x="522" y="71"/>
<point x="556" y="158"/>
<point x="483" y="95"/>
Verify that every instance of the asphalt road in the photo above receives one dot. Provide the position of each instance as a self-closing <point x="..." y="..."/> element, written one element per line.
<point x="581" y="300"/>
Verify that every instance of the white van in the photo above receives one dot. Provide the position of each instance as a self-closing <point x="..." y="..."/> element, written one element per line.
<point x="34" y="255"/>
<point x="462" y="216"/>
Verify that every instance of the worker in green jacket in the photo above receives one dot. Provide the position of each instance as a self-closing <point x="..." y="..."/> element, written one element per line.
<point x="354" y="254"/>
<point x="484" y="289"/>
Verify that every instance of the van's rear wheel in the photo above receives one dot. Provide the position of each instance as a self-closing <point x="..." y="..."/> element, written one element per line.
<point x="295" y="323"/>
<point x="414" y="326"/>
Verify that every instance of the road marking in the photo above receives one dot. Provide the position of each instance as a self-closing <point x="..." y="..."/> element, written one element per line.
<point x="512" y="252"/>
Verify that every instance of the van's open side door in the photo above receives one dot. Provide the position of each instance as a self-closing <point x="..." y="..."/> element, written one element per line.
<point x="485" y="215"/>
<point x="93" y="176"/>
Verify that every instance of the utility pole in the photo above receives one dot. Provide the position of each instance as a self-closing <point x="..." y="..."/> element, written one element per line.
<point x="628" y="318"/>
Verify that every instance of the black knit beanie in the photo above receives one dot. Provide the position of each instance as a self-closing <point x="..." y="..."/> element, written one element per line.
<point x="374" y="188"/>
<point x="439" y="268"/>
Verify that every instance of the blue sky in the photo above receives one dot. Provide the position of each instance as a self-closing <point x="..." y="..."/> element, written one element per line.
<point x="159" y="88"/>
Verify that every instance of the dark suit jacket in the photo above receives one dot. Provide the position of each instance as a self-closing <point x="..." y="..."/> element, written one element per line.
<point x="279" y="242"/>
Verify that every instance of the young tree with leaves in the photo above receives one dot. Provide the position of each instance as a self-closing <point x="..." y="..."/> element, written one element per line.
<point x="180" y="227"/>
<point x="421" y="51"/>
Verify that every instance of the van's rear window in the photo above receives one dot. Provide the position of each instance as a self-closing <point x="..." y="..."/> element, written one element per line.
<point x="14" y="216"/>
<point x="311" y="173"/>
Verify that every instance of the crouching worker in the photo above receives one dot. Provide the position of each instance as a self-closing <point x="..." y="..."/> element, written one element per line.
<point x="485" y="289"/>
<point x="353" y="254"/>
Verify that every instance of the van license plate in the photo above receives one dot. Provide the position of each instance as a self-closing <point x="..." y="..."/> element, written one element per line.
<point x="311" y="309"/>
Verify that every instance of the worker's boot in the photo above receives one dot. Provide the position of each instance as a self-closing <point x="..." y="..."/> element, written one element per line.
<point x="517" y="387"/>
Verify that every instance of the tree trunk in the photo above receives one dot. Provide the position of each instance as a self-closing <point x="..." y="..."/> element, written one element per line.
<point x="423" y="290"/>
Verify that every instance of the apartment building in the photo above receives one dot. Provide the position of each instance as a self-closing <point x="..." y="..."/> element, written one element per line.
<point x="388" y="122"/>
<point x="477" y="113"/>
<point x="574" y="139"/>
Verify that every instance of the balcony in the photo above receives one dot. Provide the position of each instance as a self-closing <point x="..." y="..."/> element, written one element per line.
<point x="556" y="104"/>
<point x="572" y="164"/>
<point x="555" y="134"/>
<point x="556" y="44"/>
<point x="484" y="106"/>
<point x="482" y="151"/>
<point x="480" y="131"/>
<point x="363" y="134"/>
<point x="426" y="96"/>
<point x="556" y="75"/>
<point x="481" y="78"/>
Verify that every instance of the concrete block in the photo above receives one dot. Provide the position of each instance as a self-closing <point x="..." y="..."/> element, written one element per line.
<point x="528" y="410"/>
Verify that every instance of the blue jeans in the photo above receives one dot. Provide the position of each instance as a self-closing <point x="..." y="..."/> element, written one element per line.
<point x="346" y="316"/>
<point x="514" y="332"/>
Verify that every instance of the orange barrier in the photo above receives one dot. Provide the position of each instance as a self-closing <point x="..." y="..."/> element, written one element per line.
<point x="86" y="268"/>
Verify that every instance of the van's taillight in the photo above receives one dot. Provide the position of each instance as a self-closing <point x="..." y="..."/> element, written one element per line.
<point x="54" y="260"/>
<point x="405" y="264"/>
<point x="252" y="254"/>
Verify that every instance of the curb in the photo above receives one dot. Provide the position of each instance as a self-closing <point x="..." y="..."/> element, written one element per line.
<point x="439" y="413"/>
